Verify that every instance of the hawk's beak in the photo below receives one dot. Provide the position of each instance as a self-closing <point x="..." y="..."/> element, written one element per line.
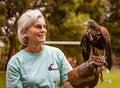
<point x="85" y="24"/>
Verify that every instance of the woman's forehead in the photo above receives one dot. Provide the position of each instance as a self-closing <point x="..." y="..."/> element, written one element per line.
<point x="40" y="20"/>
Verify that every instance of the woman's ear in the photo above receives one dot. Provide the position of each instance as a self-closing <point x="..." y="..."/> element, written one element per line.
<point x="24" y="32"/>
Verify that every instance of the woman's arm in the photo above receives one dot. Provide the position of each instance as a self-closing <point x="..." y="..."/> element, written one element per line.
<point x="13" y="79"/>
<point x="67" y="84"/>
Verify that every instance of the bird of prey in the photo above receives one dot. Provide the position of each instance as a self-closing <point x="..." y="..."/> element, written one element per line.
<point x="96" y="41"/>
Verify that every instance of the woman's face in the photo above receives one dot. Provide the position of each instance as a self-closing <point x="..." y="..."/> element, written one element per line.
<point x="37" y="33"/>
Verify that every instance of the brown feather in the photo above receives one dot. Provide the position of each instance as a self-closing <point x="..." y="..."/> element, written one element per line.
<point x="96" y="39"/>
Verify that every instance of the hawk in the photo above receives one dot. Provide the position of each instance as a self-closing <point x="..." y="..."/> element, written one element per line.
<point x="96" y="41"/>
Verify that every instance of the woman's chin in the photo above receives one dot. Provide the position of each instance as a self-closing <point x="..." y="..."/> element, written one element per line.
<point x="42" y="41"/>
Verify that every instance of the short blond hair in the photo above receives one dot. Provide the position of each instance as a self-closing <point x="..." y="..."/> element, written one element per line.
<point x="26" y="20"/>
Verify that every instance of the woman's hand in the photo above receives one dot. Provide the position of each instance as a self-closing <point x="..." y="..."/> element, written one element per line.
<point x="67" y="84"/>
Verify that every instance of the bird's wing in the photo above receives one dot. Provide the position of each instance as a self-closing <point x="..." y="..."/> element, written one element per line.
<point x="85" y="45"/>
<point x="107" y="46"/>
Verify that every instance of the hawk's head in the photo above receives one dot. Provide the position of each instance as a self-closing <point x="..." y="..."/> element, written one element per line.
<point x="91" y="24"/>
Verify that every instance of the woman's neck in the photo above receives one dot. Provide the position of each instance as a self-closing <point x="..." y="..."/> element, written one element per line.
<point x="34" y="49"/>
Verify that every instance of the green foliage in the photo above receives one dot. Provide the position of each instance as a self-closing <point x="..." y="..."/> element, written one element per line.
<point x="65" y="18"/>
<point x="2" y="80"/>
<point x="73" y="26"/>
<point x="2" y="20"/>
<point x="65" y="24"/>
<point x="113" y="25"/>
<point x="3" y="14"/>
<point x="113" y="76"/>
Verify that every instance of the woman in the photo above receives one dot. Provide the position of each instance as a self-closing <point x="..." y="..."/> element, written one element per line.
<point x="37" y="65"/>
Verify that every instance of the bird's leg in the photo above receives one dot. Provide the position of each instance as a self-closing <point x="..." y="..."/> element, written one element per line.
<point x="101" y="77"/>
<point x="104" y="53"/>
<point x="105" y="57"/>
<point x="92" y="50"/>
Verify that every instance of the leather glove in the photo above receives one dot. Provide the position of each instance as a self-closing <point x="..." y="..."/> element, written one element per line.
<point x="97" y="63"/>
<point x="85" y="74"/>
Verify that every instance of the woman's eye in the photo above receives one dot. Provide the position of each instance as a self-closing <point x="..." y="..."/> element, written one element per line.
<point x="45" y="26"/>
<point x="40" y="26"/>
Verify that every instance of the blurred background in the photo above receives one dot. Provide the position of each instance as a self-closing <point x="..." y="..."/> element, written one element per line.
<point x="65" y="20"/>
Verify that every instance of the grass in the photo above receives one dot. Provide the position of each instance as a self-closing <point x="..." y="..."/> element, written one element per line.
<point x="114" y="76"/>
<point x="2" y="80"/>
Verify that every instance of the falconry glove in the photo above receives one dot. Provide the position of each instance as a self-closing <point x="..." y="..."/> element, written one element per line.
<point x="87" y="74"/>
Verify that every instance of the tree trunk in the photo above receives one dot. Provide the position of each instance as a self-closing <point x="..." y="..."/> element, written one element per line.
<point x="11" y="49"/>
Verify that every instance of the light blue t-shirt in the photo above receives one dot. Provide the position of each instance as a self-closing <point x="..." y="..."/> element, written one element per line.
<point x="46" y="69"/>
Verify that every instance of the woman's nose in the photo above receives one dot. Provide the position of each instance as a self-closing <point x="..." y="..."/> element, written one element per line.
<point x="43" y="29"/>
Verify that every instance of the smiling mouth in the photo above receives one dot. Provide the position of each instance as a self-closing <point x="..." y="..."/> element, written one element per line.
<point x="41" y="36"/>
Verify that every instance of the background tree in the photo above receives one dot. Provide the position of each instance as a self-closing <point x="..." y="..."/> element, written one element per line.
<point x="3" y="14"/>
<point x="112" y="22"/>
<point x="64" y="19"/>
<point x="65" y="24"/>
<point x="14" y="10"/>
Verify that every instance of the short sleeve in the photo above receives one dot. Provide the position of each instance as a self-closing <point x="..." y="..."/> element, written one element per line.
<point x="13" y="79"/>
<point x="65" y="67"/>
